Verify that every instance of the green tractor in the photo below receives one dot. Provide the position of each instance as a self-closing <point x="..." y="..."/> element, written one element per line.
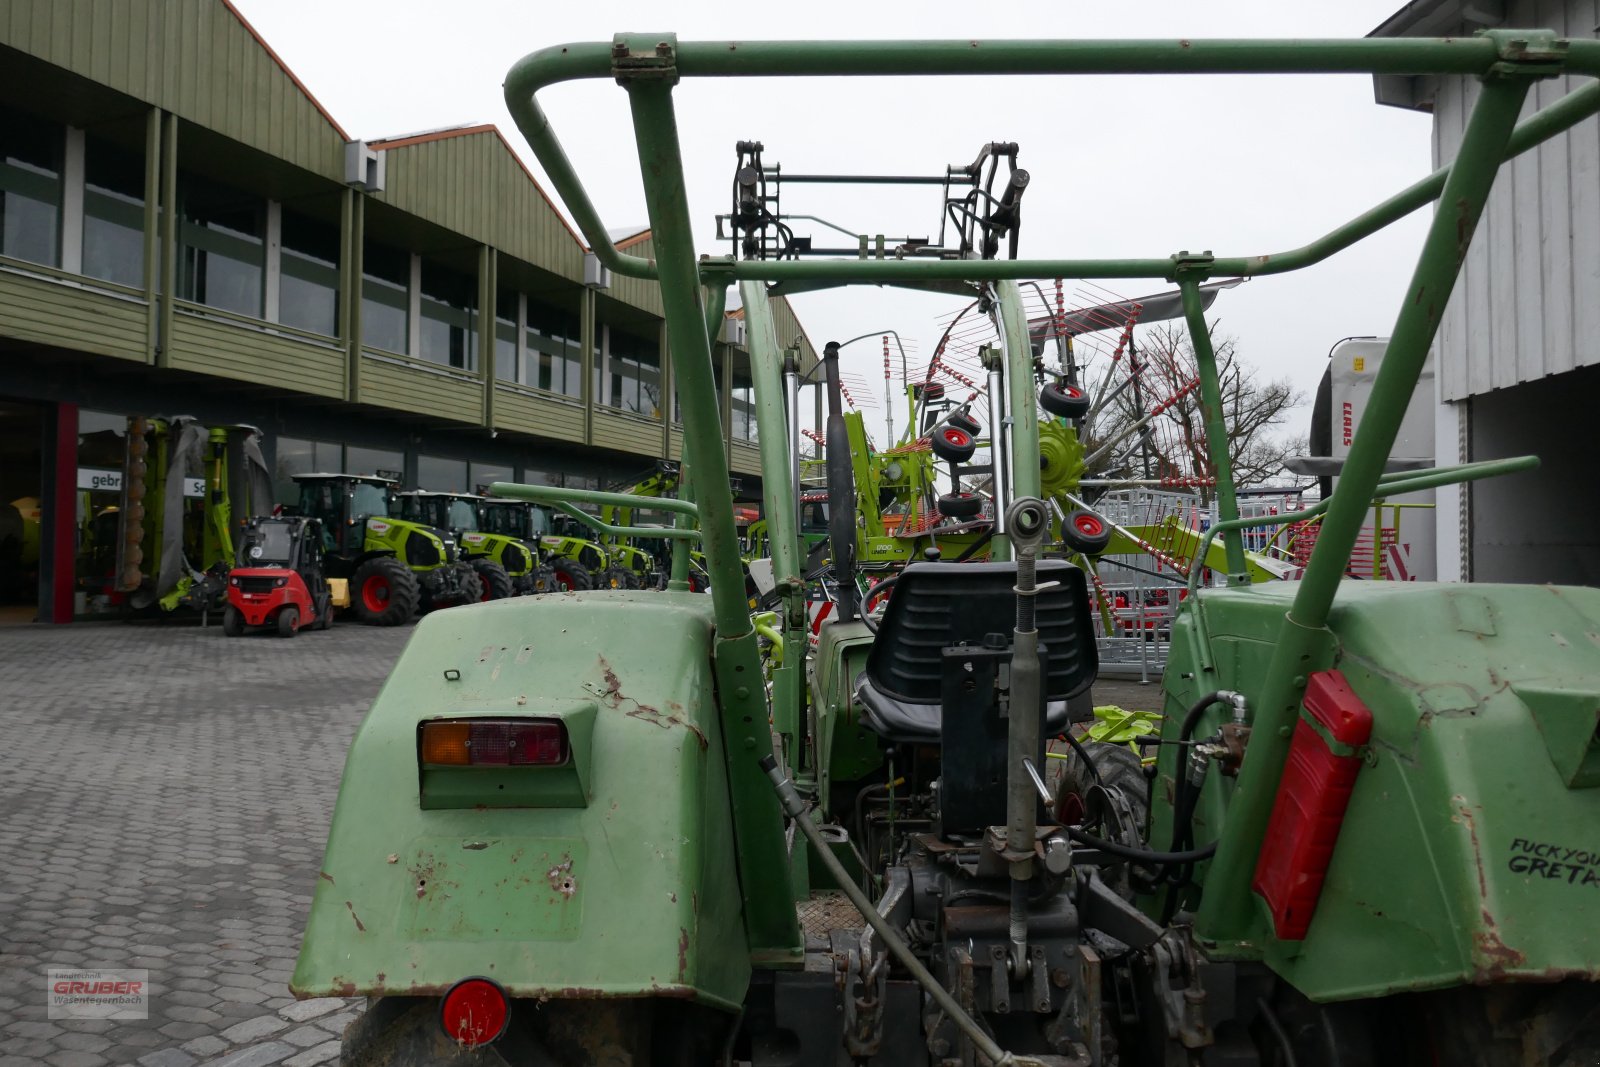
<point x="569" y="561"/>
<point x="647" y="829"/>
<point x="394" y="566"/>
<point x="504" y="565"/>
<point x="579" y="561"/>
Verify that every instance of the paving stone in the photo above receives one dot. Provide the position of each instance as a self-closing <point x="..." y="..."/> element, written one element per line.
<point x="205" y="1046"/>
<point x="301" y="1010"/>
<point x="254" y="1029"/>
<point x="76" y="1059"/>
<point x="193" y="852"/>
<point x="168" y="1057"/>
<point x="335" y="1024"/>
<point x="255" y="1056"/>
<point x="324" y="1053"/>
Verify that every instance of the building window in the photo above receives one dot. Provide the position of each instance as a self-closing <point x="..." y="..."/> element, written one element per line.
<point x="308" y="279"/>
<point x="507" y="312"/>
<point x="744" y="407"/>
<point x="480" y="476"/>
<point x="113" y="213"/>
<point x="553" y="340"/>
<point x="223" y="247"/>
<point x="635" y="366"/>
<point x="386" y="299"/>
<point x="440" y="475"/>
<point x="30" y="188"/>
<point x="378" y="462"/>
<point x="449" y="302"/>
<point x="294" y="456"/>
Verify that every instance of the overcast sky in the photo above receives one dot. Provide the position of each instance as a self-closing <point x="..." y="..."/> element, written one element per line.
<point x="1119" y="166"/>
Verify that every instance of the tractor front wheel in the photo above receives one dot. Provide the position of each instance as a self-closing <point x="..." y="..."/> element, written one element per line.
<point x="384" y="592"/>
<point x="494" y="579"/>
<point x="619" y="578"/>
<point x="232" y="622"/>
<point x="288" y="621"/>
<point x="571" y="576"/>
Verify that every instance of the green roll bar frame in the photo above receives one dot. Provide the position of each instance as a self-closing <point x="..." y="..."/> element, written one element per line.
<point x="648" y="66"/>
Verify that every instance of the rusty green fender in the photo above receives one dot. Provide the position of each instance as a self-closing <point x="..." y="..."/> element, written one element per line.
<point x="633" y="892"/>
<point x="1470" y="851"/>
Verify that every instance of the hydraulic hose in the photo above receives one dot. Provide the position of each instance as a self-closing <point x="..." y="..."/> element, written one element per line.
<point x="1140" y="855"/>
<point x="795" y="808"/>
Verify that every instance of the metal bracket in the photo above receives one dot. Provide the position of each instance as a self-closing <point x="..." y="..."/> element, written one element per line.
<point x="1525" y="54"/>
<point x="1195" y="264"/>
<point x="644" y="57"/>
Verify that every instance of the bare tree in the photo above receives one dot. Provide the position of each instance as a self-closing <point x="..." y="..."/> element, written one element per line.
<point x="1172" y="444"/>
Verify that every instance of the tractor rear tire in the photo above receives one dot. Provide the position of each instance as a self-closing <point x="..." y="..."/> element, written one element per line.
<point x="494" y="579"/>
<point x="1085" y="532"/>
<point x="571" y="576"/>
<point x="384" y="592"/>
<point x="288" y="621"/>
<point x="1117" y="771"/>
<point x="232" y="622"/>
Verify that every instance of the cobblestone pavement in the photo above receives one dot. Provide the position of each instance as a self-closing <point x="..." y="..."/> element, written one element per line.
<point x="165" y="801"/>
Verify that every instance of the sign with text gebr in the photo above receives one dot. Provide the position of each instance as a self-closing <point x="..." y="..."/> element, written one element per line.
<point x="105" y="480"/>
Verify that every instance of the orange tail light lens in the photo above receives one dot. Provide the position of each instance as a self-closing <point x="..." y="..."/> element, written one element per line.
<point x="494" y="743"/>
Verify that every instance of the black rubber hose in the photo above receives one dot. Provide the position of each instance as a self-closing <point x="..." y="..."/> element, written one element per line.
<point x="1138" y="854"/>
<point x="1191" y="719"/>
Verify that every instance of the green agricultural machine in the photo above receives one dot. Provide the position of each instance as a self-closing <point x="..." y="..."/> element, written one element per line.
<point x="394" y="566"/>
<point x="505" y="565"/>
<point x="645" y="828"/>
<point x="171" y="545"/>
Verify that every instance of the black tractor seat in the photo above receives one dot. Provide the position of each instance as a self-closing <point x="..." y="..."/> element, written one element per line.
<point x="935" y="606"/>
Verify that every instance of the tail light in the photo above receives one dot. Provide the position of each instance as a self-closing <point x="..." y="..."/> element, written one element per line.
<point x="474" y="1012"/>
<point x="1324" y="756"/>
<point x="494" y="743"/>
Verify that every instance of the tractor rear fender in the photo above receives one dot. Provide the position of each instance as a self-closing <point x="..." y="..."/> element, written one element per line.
<point x="1469" y="852"/>
<point x="611" y="875"/>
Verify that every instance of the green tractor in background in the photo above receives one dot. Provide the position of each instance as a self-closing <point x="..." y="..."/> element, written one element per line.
<point x="639" y="562"/>
<point x="394" y="567"/>
<point x="504" y="565"/>
<point x="647" y="829"/>
<point x="568" y="560"/>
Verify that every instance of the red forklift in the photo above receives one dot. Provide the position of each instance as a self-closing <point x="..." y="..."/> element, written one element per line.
<point x="279" y="581"/>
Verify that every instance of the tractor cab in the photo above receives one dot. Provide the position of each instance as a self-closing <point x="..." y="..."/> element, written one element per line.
<point x="343" y="504"/>
<point x="456" y="512"/>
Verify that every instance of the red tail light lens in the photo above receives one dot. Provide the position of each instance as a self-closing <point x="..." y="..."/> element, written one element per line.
<point x="494" y="743"/>
<point x="1312" y="796"/>
<point x="474" y="1012"/>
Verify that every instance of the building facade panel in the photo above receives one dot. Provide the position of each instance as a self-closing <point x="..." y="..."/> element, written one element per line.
<point x="210" y="345"/>
<point x="393" y="383"/>
<point x="195" y="58"/>
<point x="52" y="313"/>
<point x="541" y="416"/>
<point x="1528" y="303"/>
